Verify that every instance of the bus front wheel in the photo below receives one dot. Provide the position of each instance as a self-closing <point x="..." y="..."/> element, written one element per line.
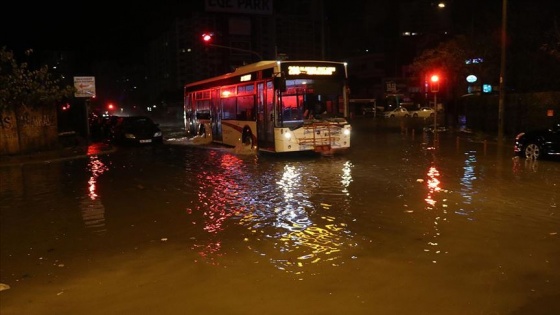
<point x="247" y="137"/>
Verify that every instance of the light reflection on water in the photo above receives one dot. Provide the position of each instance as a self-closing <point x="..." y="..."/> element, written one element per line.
<point x="469" y="176"/>
<point x="392" y="213"/>
<point x="294" y="213"/>
<point x="93" y="211"/>
<point x="285" y="208"/>
<point x="435" y="205"/>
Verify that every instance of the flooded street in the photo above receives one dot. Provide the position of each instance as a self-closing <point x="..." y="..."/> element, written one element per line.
<point x="397" y="225"/>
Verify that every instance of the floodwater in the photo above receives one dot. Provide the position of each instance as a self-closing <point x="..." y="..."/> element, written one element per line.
<point x="397" y="225"/>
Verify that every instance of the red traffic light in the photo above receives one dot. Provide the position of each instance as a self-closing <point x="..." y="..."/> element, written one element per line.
<point x="207" y="37"/>
<point x="434" y="86"/>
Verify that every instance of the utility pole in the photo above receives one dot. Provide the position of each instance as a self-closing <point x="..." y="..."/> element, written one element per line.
<point x="502" y="75"/>
<point x="322" y="17"/>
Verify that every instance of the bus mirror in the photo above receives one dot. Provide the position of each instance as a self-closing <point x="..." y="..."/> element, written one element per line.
<point x="280" y="83"/>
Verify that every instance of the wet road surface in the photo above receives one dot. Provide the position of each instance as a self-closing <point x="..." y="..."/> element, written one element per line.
<point x="397" y="225"/>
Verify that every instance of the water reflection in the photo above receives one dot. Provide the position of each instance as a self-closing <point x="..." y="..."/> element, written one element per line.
<point x="521" y="164"/>
<point x="96" y="167"/>
<point x="433" y="185"/>
<point x="292" y="214"/>
<point x="218" y="198"/>
<point x="93" y="211"/>
<point x="283" y="212"/>
<point x="469" y="176"/>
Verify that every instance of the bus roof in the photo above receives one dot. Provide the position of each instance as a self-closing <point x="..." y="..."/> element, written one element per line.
<point x="265" y="64"/>
<point x="260" y="65"/>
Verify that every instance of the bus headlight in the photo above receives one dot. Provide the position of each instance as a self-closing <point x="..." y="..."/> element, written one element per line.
<point x="346" y="132"/>
<point x="288" y="135"/>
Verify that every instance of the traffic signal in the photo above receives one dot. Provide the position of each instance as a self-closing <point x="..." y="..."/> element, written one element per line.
<point x="434" y="83"/>
<point x="207" y="37"/>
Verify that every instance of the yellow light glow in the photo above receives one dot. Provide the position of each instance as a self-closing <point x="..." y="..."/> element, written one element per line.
<point x="297" y="70"/>
<point x="288" y="135"/>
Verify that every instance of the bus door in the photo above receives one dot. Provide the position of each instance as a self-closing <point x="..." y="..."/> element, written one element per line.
<point x="261" y="123"/>
<point x="265" y="117"/>
<point x="216" y="116"/>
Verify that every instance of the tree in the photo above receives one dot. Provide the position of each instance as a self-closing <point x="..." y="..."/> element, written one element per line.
<point x="20" y="85"/>
<point x="552" y="47"/>
<point x="28" y="99"/>
<point x="457" y="58"/>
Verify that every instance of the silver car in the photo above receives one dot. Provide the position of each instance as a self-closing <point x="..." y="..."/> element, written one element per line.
<point x="397" y="112"/>
<point x="424" y="112"/>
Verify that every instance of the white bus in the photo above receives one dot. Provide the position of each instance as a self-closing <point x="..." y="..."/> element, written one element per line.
<point x="273" y="106"/>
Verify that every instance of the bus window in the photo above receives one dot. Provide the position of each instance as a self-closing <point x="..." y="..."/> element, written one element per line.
<point x="290" y="108"/>
<point x="245" y="106"/>
<point x="229" y="108"/>
<point x="203" y="109"/>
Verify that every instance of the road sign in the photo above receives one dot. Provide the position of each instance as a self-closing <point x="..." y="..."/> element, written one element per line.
<point x="391" y="87"/>
<point x="85" y="86"/>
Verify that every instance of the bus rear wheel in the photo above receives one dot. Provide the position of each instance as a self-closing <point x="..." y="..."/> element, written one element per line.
<point x="202" y="130"/>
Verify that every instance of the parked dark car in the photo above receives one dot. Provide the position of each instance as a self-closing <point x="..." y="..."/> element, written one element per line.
<point x="369" y="110"/>
<point x="135" y="130"/>
<point x="538" y="143"/>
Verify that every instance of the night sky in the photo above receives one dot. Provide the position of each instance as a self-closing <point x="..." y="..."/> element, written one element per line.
<point x="101" y="31"/>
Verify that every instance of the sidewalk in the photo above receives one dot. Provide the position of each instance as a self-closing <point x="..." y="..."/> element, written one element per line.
<point x="65" y="153"/>
<point x="73" y="149"/>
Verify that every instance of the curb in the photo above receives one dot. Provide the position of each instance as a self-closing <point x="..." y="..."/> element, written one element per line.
<point x="68" y="153"/>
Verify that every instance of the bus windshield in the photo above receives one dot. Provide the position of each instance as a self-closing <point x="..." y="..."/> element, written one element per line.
<point x="311" y="99"/>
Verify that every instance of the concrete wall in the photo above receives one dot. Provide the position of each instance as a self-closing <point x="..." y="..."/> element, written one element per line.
<point x="28" y="129"/>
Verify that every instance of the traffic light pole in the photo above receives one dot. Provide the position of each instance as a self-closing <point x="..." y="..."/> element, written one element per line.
<point x="87" y="104"/>
<point x="434" y="87"/>
<point x="435" y="117"/>
<point x="238" y="49"/>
